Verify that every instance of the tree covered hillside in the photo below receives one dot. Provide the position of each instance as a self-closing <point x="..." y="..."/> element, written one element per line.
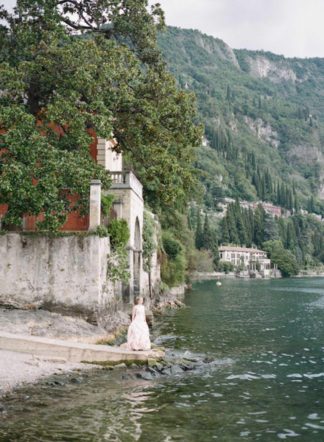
<point x="263" y="117"/>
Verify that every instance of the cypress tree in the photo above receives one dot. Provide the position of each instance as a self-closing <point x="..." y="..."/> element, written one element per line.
<point x="278" y="196"/>
<point x="249" y="226"/>
<point x="295" y="200"/>
<point x="271" y="231"/>
<point x="199" y="232"/>
<point x="268" y="188"/>
<point x="311" y="205"/>
<point x="207" y="236"/>
<point x="282" y="196"/>
<point x="256" y="182"/>
<point x="228" y="93"/>
<point x="189" y="221"/>
<point x="192" y="218"/>
<point x="291" y="240"/>
<point x="240" y="226"/>
<point x="215" y="255"/>
<point x="259" y="225"/>
<point x="231" y="221"/>
<point x="282" y="230"/>
<point x="225" y="237"/>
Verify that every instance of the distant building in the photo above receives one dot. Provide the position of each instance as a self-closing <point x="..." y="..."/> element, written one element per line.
<point x="247" y="259"/>
<point x="271" y="209"/>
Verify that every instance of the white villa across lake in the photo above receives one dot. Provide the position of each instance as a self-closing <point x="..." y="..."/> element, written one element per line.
<point x="247" y="259"/>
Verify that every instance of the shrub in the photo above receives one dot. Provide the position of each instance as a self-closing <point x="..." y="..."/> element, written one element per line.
<point x="102" y="231"/>
<point x="117" y="269"/>
<point x="202" y="261"/>
<point x="173" y="271"/>
<point x="171" y="245"/>
<point x="119" y="233"/>
<point x="284" y="259"/>
<point x="106" y="203"/>
<point x="225" y="266"/>
<point x="173" y="265"/>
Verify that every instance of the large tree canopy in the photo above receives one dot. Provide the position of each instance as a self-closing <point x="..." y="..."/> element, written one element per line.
<point x="129" y="21"/>
<point x="71" y="67"/>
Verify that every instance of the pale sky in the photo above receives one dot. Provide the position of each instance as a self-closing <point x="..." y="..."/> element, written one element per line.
<point x="294" y="28"/>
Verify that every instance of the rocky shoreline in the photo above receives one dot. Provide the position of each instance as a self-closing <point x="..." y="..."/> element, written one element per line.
<point x="18" y="369"/>
<point x="30" y="370"/>
<point x="174" y="364"/>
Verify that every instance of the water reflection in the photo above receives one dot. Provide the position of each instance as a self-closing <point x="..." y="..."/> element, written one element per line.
<point x="136" y="400"/>
<point x="263" y="378"/>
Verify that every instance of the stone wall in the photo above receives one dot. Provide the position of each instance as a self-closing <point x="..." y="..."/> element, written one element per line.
<point x="65" y="274"/>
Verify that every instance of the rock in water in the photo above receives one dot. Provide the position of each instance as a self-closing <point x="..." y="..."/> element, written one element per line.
<point x="146" y="376"/>
<point x="176" y="369"/>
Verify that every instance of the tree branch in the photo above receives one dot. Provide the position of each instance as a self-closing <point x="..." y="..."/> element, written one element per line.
<point x="75" y="26"/>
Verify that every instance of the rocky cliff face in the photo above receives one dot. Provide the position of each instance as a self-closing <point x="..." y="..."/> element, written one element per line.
<point x="263" y="131"/>
<point x="211" y="49"/>
<point x="218" y="48"/>
<point x="262" y="67"/>
<point x="253" y="103"/>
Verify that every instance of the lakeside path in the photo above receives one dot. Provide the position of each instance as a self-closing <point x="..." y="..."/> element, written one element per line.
<point x="26" y="359"/>
<point x="17" y="369"/>
<point x="38" y="344"/>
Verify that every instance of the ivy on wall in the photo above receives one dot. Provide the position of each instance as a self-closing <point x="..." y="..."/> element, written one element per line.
<point x="117" y="266"/>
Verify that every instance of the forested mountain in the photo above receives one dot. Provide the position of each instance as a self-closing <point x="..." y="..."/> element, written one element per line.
<point x="263" y="116"/>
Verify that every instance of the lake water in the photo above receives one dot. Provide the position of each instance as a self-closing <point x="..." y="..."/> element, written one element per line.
<point x="267" y="382"/>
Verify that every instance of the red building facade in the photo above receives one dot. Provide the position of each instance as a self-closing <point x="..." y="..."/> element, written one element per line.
<point x="74" y="222"/>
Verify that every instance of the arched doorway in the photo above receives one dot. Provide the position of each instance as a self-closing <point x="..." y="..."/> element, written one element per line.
<point x="137" y="251"/>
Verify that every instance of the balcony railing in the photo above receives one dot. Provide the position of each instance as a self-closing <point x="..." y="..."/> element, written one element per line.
<point x="126" y="180"/>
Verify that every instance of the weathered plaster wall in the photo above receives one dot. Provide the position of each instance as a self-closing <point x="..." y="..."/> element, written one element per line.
<point x="67" y="272"/>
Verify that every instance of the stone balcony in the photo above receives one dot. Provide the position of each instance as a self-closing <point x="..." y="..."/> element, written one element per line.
<point x="126" y="180"/>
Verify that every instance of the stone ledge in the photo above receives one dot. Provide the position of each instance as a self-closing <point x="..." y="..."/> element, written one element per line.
<point x="72" y="351"/>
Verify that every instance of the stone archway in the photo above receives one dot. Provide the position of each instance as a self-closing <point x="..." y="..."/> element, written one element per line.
<point x="137" y="252"/>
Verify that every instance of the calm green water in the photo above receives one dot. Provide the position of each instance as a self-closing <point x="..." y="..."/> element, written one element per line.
<point x="267" y="384"/>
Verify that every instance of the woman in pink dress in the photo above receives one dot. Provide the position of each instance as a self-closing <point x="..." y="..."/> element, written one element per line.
<point x="138" y="336"/>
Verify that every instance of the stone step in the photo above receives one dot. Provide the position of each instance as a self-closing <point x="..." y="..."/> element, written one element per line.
<point x="72" y="351"/>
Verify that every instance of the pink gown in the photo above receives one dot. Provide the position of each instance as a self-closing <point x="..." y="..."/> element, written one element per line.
<point x="138" y="336"/>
